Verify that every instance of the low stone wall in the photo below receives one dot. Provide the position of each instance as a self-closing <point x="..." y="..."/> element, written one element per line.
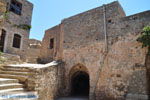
<point x="9" y="59"/>
<point x="47" y="81"/>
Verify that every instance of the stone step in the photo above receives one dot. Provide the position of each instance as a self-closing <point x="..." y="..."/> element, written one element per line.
<point x="14" y="66"/>
<point x="20" y="78"/>
<point x="11" y="90"/>
<point x="11" y="86"/>
<point x="21" y="91"/>
<point x="8" y="81"/>
<point x="17" y="73"/>
<point x="15" y="69"/>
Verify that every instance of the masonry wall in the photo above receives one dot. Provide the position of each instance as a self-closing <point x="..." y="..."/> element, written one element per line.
<point x="9" y="26"/>
<point x="124" y="67"/>
<point x="32" y="53"/>
<point x="49" y="81"/>
<point x="115" y="62"/>
<point x="88" y="27"/>
<point x="48" y="54"/>
<point x="84" y="41"/>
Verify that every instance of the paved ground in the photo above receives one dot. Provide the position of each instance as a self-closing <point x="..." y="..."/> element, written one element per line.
<point x="73" y="98"/>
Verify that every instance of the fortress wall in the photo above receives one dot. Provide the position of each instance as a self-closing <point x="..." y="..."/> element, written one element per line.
<point x="124" y="71"/>
<point x="84" y="42"/>
<point x="88" y="27"/>
<point x="121" y="69"/>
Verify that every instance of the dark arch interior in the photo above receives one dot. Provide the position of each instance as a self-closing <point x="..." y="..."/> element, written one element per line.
<point x="80" y="84"/>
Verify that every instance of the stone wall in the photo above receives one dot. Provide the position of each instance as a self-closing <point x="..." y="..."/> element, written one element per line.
<point x="9" y="26"/>
<point x="123" y="70"/>
<point x="84" y="41"/>
<point x="49" y="81"/>
<point x="32" y="52"/>
<point x="55" y="53"/>
<point x="2" y="8"/>
<point x="9" y="59"/>
<point x="124" y="67"/>
<point x="88" y="27"/>
<point x="103" y="41"/>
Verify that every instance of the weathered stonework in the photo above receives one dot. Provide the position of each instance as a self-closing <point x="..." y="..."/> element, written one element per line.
<point x="47" y="81"/>
<point x="99" y="45"/>
<point x="10" y="23"/>
<point x="32" y="52"/>
<point x="48" y="54"/>
<point x="102" y="42"/>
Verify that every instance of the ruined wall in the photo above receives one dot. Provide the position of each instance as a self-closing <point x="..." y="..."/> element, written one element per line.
<point x="9" y="26"/>
<point x="32" y="52"/>
<point x="48" y="54"/>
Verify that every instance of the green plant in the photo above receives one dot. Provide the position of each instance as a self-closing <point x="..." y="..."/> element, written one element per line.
<point x="23" y="26"/>
<point x="145" y="38"/>
<point x="5" y="17"/>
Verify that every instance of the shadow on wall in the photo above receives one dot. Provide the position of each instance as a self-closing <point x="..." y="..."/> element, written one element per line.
<point x="44" y="61"/>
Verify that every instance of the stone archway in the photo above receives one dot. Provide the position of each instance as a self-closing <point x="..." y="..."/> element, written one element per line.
<point x="79" y="81"/>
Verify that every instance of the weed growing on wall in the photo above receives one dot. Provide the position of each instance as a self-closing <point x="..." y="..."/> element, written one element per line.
<point x="145" y="38"/>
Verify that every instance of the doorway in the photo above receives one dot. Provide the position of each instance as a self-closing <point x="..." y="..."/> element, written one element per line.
<point x="80" y="84"/>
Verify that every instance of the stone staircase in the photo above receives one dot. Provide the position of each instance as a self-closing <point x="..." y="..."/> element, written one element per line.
<point x="13" y="83"/>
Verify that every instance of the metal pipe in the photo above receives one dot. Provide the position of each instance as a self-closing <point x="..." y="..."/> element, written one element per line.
<point x="105" y="28"/>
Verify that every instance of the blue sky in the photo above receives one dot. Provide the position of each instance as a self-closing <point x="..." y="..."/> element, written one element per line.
<point x="48" y="13"/>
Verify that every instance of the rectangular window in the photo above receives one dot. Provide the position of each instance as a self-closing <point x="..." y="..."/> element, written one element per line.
<point x="17" y="41"/>
<point x="15" y="7"/>
<point x="2" y="40"/>
<point x="51" y="45"/>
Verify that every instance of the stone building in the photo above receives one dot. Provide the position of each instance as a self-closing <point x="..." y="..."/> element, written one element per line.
<point x="15" y="26"/>
<point x="102" y="58"/>
<point x="96" y="52"/>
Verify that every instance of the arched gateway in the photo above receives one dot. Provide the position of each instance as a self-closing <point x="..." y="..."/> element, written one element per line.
<point x="79" y="81"/>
